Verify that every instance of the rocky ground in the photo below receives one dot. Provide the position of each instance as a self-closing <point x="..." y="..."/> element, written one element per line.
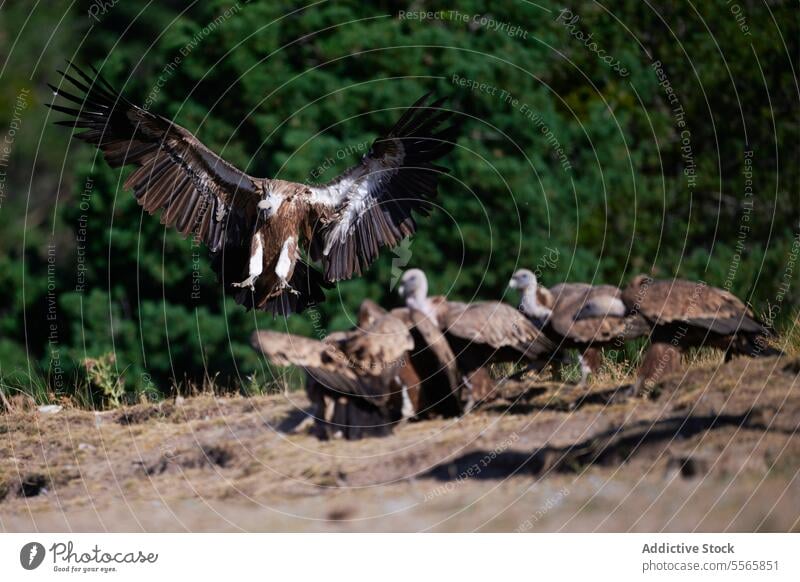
<point x="716" y="448"/>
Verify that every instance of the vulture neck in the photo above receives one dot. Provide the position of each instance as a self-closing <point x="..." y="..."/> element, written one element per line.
<point x="418" y="301"/>
<point x="529" y="305"/>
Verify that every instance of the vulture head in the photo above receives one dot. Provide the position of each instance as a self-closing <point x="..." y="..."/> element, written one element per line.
<point x="269" y="203"/>
<point x="641" y="281"/>
<point x="523" y="279"/>
<point x="413" y="285"/>
<point x="536" y="301"/>
<point x="413" y="289"/>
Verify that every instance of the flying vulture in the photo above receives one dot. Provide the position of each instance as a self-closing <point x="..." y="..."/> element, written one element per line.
<point x="680" y="314"/>
<point x="393" y="366"/>
<point x="478" y="334"/>
<point x="554" y="311"/>
<point x="258" y="229"/>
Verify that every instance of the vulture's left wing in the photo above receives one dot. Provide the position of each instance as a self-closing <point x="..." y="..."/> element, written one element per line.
<point x="370" y="205"/>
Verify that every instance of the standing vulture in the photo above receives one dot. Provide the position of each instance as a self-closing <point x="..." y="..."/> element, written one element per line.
<point x="478" y="334"/>
<point x="394" y="365"/>
<point x="256" y="228"/>
<point x="680" y="314"/>
<point x="554" y="311"/>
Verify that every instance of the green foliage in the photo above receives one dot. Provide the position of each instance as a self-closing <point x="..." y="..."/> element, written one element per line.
<point x="279" y="90"/>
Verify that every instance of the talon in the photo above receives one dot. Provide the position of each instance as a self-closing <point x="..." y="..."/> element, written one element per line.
<point x="284" y="286"/>
<point x="249" y="282"/>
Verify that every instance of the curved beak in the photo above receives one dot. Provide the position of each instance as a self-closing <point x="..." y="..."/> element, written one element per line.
<point x="265" y="210"/>
<point x="401" y="290"/>
<point x="513" y="283"/>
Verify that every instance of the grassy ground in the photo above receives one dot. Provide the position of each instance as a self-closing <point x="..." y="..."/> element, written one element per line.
<point x="717" y="449"/>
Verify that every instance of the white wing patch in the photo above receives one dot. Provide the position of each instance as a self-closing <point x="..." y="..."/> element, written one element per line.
<point x="351" y="184"/>
<point x="361" y="196"/>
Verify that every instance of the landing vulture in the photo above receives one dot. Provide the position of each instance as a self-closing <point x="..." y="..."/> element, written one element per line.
<point x="393" y="365"/>
<point x="554" y="311"/>
<point x="478" y="334"/>
<point x="256" y="229"/>
<point x="680" y="314"/>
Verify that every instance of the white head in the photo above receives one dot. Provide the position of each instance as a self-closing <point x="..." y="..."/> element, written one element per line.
<point x="523" y="279"/>
<point x="413" y="286"/>
<point x="269" y="204"/>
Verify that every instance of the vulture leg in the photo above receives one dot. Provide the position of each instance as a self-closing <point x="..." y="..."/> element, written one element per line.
<point x="256" y="265"/>
<point x="483" y="387"/>
<point x="285" y="265"/>
<point x="407" y="411"/>
<point x="662" y="358"/>
<point x="728" y="355"/>
<point x="590" y="361"/>
<point x="470" y="401"/>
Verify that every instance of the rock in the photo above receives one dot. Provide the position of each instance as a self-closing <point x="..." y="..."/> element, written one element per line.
<point x="50" y="408"/>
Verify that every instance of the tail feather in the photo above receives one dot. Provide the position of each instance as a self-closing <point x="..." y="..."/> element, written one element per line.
<point x="308" y="287"/>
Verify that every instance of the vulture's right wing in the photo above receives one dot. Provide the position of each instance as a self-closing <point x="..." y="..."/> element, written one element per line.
<point x="198" y="191"/>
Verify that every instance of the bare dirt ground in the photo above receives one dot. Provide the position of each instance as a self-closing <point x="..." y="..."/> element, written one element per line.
<point x="715" y="449"/>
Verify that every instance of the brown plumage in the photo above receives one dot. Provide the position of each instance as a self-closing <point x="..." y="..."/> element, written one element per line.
<point x="258" y="229"/>
<point x="478" y="334"/>
<point x="357" y="383"/>
<point x="392" y="365"/>
<point x="555" y="311"/>
<point x="680" y="314"/>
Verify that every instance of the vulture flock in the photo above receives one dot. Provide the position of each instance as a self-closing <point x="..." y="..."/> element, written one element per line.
<point x="432" y="356"/>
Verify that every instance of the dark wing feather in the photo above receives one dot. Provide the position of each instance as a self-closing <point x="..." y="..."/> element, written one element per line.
<point x="326" y="363"/>
<point x="198" y="191"/>
<point x="370" y="205"/>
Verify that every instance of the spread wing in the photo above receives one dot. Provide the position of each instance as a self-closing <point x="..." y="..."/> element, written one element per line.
<point x="497" y="326"/>
<point x="322" y="361"/>
<point x="370" y="205"/>
<point x="198" y="191"/>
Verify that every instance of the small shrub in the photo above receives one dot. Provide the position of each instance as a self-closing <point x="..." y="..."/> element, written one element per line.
<point x="102" y="374"/>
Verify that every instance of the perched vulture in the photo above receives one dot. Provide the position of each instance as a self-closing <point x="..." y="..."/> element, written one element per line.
<point x="680" y="314"/>
<point x="478" y="334"/>
<point x="554" y="311"/>
<point x="256" y="228"/>
<point x="392" y="366"/>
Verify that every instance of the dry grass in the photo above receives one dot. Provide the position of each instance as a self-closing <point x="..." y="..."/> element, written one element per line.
<point x="214" y="462"/>
<point x="101" y="387"/>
